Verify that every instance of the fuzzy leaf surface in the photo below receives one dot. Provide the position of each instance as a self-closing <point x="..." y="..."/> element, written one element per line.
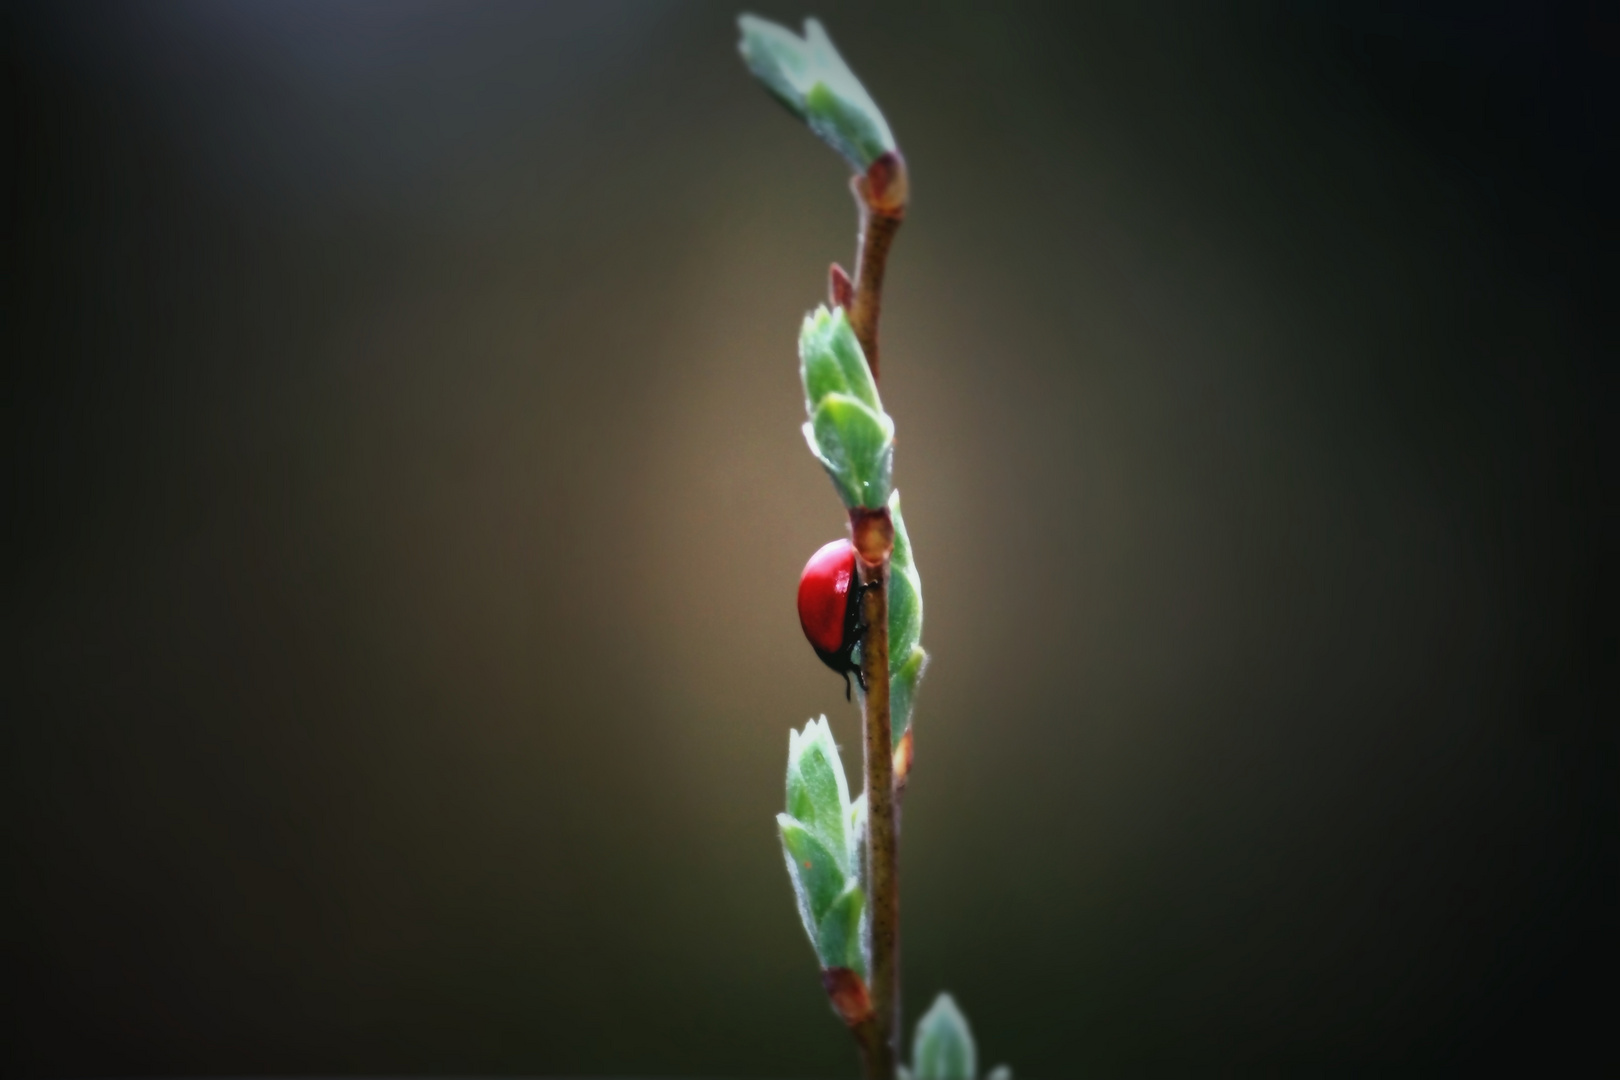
<point x="817" y="878"/>
<point x="905" y="589"/>
<point x="808" y="75"/>
<point x="856" y="447"/>
<point x="848" y="431"/>
<point x="903" y="690"/>
<point x="838" y="937"/>
<point x="817" y="791"/>
<point x="943" y="1046"/>
<point x="831" y="360"/>
<point x="856" y="832"/>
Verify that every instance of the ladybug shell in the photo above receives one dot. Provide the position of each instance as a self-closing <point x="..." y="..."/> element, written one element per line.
<point x="824" y="596"/>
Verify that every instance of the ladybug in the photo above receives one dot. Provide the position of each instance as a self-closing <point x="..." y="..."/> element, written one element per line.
<point x="830" y="608"/>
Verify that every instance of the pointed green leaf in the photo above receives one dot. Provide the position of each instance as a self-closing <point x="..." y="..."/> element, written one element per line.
<point x="831" y="360"/>
<point x="821" y="376"/>
<point x="817" y="879"/>
<point x="819" y="368"/>
<point x="847" y="126"/>
<point x="809" y="76"/>
<point x="905" y="589"/>
<point x="903" y="690"/>
<point x="943" y="1046"/>
<point x="848" y="430"/>
<point x="778" y="57"/>
<point x="856" y="446"/>
<point x="856" y="832"/>
<point x="838" y="938"/>
<point x="817" y="792"/>
<point x="845" y="348"/>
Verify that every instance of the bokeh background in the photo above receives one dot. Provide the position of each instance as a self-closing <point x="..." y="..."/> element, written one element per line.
<point x="407" y="499"/>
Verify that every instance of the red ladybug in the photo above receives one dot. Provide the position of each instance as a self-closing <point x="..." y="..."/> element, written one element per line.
<point x="830" y="608"/>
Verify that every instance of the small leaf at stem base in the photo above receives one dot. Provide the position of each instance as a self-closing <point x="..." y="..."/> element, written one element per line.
<point x="906" y="674"/>
<point x="905" y="595"/>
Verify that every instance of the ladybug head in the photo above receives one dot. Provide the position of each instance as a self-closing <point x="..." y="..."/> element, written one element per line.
<point x="830" y="608"/>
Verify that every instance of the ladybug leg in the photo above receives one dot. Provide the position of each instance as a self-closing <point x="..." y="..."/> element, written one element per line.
<point x="854" y="631"/>
<point x="855" y="615"/>
<point x="860" y="607"/>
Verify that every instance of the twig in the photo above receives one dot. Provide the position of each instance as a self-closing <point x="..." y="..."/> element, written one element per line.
<point x="874" y="541"/>
<point x="881" y="193"/>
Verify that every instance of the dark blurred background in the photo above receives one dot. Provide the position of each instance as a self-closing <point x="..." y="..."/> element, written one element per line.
<point x="406" y="501"/>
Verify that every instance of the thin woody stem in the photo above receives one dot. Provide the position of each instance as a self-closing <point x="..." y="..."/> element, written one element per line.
<point x="877" y="233"/>
<point x="882" y="832"/>
<point x="877" y="1056"/>
<point x="881" y="193"/>
<point x="850" y="1000"/>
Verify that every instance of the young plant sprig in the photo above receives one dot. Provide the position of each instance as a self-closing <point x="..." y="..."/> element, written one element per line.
<point x="861" y="608"/>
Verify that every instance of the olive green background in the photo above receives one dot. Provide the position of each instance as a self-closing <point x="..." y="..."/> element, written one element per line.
<point x="407" y="501"/>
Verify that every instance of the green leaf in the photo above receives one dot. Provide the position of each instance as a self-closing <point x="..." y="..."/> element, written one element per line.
<point x="822" y="833"/>
<point x="857" y="131"/>
<point x="838" y="937"/>
<point x="903" y="682"/>
<point x="849" y="432"/>
<point x="905" y="589"/>
<point x="817" y="792"/>
<point x="856" y="832"/>
<point x="809" y="76"/>
<point x="831" y="360"/>
<point x="817" y="878"/>
<point x="943" y="1046"/>
<point x="856" y="447"/>
<point x="1000" y="1072"/>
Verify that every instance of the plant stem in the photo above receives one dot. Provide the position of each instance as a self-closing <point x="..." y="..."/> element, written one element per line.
<point x="881" y="193"/>
<point x="852" y="1002"/>
<point x="877" y="1056"/>
<point x="874" y="541"/>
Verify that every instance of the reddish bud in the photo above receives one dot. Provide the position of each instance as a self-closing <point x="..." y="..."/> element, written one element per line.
<point x="840" y="289"/>
<point x="847" y="992"/>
